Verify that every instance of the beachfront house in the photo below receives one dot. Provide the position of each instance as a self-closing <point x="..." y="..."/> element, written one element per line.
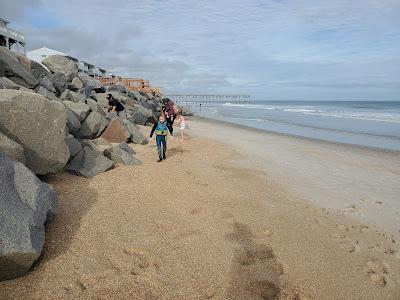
<point x="10" y="38"/>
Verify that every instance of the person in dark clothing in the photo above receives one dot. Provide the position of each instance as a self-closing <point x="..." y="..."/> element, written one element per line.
<point x="161" y="128"/>
<point x="114" y="105"/>
<point x="170" y="111"/>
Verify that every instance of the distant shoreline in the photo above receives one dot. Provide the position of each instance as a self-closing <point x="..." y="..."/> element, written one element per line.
<point x="362" y="147"/>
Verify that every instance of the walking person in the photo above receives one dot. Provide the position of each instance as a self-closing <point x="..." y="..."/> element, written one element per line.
<point x="161" y="128"/>
<point x="181" y="123"/>
<point x="171" y="112"/>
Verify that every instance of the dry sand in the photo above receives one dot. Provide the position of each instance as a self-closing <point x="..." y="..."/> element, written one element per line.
<point x="202" y="226"/>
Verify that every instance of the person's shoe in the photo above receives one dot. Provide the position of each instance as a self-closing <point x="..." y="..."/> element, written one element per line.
<point x="164" y="157"/>
<point x="159" y="160"/>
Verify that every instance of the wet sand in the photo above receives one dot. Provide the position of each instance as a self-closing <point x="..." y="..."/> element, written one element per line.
<point x="205" y="224"/>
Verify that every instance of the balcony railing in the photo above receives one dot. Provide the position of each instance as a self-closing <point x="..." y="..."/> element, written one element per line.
<point x="15" y="35"/>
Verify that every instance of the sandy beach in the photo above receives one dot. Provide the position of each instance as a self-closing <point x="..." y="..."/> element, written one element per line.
<point x="233" y="213"/>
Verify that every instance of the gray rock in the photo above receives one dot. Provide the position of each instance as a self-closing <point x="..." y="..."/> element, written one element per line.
<point x="38" y="70"/>
<point x="60" y="63"/>
<point x="93" y="126"/>
<point x="60" y="82"/>
<point x="68" y="95"/>
<point x="135" y="95"/>
<point x="26" y="205"/>
<point x="14" y="70"/>
<point x="90" y="144"/>
<point x="73" y="123"/>
<point x="89" y="163"/>
<point x="111" y="115"/>
<point x="101" y="98"/>
<point x="122" y="154"/>
<point x="13" y="150"/>
<point x="103" y="125"/>
<point x="95" y="106"/>
<point x="117" y="87"/>
<point x="47" y="83"/>
<point x="76" y="84"/>
<point x="140" y="115"/>
<point x="81" y="110"/>
<point x="135" y="135"/>
<point x="6" y="83"/>
<point x="94" y="83"/>
<point x="74" y="145"/>
<point x="38" y="125"/>
<point x="46" y="93"/>
<point x="101" y="142"/>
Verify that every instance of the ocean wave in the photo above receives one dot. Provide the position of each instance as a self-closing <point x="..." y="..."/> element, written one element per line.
<point x="378" y="116"/>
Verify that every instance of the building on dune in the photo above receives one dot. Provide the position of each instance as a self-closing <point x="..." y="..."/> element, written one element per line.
<point x="84" y="67"/>
<point x="11" y="38"/>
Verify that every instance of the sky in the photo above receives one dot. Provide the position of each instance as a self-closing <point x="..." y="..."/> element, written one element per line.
<point x="269" y="49"/>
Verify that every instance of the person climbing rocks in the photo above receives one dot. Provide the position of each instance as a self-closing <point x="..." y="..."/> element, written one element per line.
<point x="161" y="128"/>
<point x="115" y="105"/>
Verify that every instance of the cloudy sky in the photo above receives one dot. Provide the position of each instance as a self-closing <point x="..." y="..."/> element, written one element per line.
<point x="270" y="49"/>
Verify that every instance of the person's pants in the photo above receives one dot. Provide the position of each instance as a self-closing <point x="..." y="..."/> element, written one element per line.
<point x="161" y="145"/>
<point x="170" y="121"/>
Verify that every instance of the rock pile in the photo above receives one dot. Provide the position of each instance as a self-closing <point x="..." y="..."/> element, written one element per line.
<point x="53" y="118"/>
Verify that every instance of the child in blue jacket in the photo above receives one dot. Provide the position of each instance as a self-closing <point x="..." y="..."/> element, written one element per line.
<point x="161" y="128"/>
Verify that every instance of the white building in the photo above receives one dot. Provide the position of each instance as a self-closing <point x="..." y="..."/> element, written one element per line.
<point x="10" y="37"/>
<point x="39" y="55"/>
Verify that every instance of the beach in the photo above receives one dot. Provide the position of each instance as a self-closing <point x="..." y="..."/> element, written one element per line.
<point x="233" y="213"/>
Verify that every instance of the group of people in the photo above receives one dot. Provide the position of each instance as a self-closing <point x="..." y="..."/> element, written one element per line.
<point x="164" y="124"/>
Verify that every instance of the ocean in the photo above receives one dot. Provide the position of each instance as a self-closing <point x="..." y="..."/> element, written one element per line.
<point x="371" y="124"/>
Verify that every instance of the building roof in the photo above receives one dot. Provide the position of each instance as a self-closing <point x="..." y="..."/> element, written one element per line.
<point x="45" y="51"/>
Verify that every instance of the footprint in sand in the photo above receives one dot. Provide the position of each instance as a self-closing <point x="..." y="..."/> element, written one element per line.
<point x="255" y="270"/>
<point x="140" y="260"/>
<point x="196" y="211"/>
<point x="377" y="272"/>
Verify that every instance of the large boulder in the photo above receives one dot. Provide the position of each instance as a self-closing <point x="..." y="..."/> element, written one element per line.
<point x="95" y="106"/>
<point x="38" y="70"/>
<point x="95" y="84"/>
<point x="81" y="110"/>
<point x="140" y="115"/>
<point x="68" y="95"/>
<point x="46" y="82"/>
<point x="89" y="162"/>
<point x="62" y="64"/>
<point x="6" y="83"/>
<point x="93" y="126"/>
<point x="76" y="84"/>
<point x="122" y="154"/>
<point x="74" y="145"/>
<point x="38" y="124"/>
<point x="14" y="70"/>
<point x="101" y="98"/>
<point x="46" y="93"/>
<point x="13" y="150"/>
<point x="60" y="82"/>
<point x="119" y="131"/>
<point x="26" y="205"/>
<point x="136" y="95"/>
<point x="73" y="123"/>
<point x="135" y="135"/>
<point x="117" y="87"/>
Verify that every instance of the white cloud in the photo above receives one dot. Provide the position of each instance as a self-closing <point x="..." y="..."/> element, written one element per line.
<point x="262" y="47"/>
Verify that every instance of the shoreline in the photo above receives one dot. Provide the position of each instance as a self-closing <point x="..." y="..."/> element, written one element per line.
<point x="383" y="150"/>
<point x="320" y="172"/>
